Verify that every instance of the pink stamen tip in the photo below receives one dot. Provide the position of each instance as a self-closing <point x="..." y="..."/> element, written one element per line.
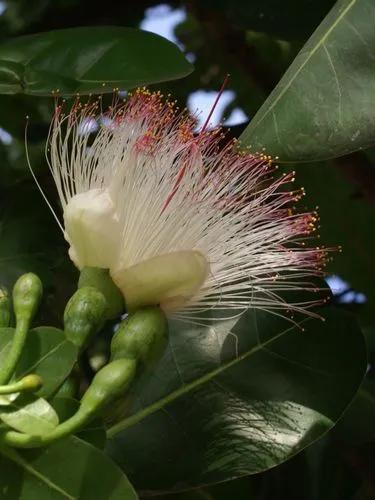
<point x="183" y="169"/>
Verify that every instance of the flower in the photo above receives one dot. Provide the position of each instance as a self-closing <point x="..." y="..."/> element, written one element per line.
<point x="177" y="219"/>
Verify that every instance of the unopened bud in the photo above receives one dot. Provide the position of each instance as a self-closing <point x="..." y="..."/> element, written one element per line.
<point x="84" y="315"/>
<point x="101" y="280"/>
<point x="142" y="336"/>
<point x="31" y="383"/>
<point x="27" y="293"/>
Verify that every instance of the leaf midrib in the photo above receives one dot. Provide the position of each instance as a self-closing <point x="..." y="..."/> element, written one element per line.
<point x="16" y="458"/>
<point x="157" y="405"/>
<point x="312" y="52"/>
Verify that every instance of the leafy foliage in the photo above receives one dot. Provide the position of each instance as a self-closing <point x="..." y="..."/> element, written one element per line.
<point x="98" y="60"/>
<point x="237" y="399"/>
<point x="30" y="415"/>
<point x="88" y="473"/>
<point x="321" y="107"/>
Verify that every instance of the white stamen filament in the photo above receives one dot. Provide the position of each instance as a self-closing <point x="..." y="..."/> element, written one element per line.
<point x="146" y="187"/>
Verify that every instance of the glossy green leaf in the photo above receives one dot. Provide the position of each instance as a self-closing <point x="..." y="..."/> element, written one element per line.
<point x="30" y="415"/>
<point x="67" y="470"/>
<point x="237" y="399"/>
<point x="88" y="60"/>
<point x="47" y="353"/>
<point x="357" y="425"/>
<point x="322" y="107"/>
<point x="93" y="432"/>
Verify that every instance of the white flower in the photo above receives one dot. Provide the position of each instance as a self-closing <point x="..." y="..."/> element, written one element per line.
<point x="178" y="220"/>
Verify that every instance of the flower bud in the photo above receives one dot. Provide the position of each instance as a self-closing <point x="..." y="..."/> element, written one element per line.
<point x="141" y="336"/>
<point x="109" y="383"/>
<point x="27" y="293"/>
<point x="101" y="280"/>
<point x="84" y="315"/>
<point x="31" y="383"/>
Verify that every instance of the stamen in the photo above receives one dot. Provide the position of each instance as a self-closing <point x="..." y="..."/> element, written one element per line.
<point x="223" y="87"/>
<point x="36" y="180"/>
<point x="183" y="169"/>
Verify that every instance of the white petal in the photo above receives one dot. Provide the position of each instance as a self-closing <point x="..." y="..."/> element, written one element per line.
<point x="92" y="229"/>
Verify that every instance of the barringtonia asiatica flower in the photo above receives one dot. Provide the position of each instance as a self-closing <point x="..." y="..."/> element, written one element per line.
<point x="177" y="219"/>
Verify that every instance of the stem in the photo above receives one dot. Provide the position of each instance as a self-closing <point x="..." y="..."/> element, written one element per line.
<point x="20" y="440"/>
<point x="8" y="367"/>
<point x="11" y="388"/>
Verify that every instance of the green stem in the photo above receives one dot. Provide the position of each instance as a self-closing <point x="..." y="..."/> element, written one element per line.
<point x="11" y="388"/>
<point x="8" y="367"/>
<point x="20" y="440"/>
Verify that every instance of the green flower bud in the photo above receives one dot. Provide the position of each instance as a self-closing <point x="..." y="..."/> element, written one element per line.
<point x="84" y="315"/>
<point x="32" y="382"/>
<point x="4" y="308"/>
<point x="27" y="293"/>
<point x="108" y="384"/>
<point x="142" y="336"/>
<point x="101" y="280"/>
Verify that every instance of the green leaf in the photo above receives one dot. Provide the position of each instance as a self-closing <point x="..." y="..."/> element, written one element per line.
<point x="67" y="470"/>
<point x="237" y="399"/>
<point x="94" y="432"/>
<point x="47" y="353"/>
<point x="88" y="60"/>
<point x="322" y="107"/>
<point x="357" y="424"/>
<point x="31" y="415"/>
<point x="6" y="400"/>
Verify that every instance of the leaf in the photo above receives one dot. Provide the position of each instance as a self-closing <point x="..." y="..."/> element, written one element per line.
<point x="31" y="415"/>
<point x="67" y="470"/>
<point x="237" y="399"/>
<point x="322" y="107"/>
<point x="93" y="433"/>
<point x="6" y="400"/>
<point x="88" y="60"/>
<point x="357" y="424"/>
<point x="47" y="353"/>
